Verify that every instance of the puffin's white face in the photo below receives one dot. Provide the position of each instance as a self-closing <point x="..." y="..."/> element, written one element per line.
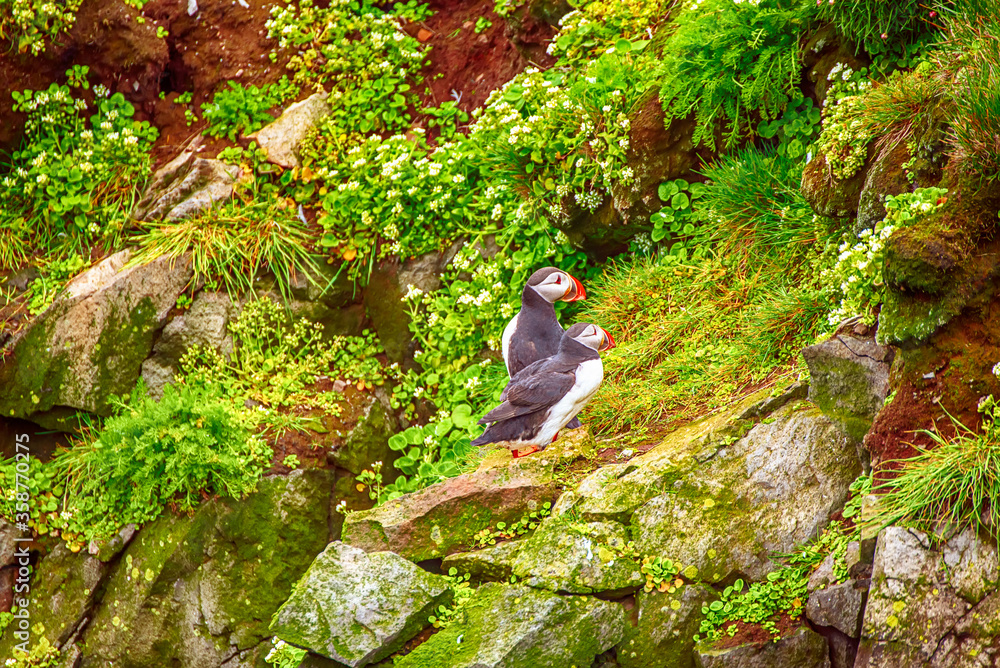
<point x="596" y="338"/>
<point x="560" y="285"/>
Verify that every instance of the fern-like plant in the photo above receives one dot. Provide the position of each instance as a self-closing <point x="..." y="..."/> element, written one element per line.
<point x="732" y="65"/>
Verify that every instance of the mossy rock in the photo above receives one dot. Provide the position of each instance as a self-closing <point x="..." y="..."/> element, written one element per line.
<point x="357" y="608"/>
<point x="924" y="258"/>
<point x="578" y="558"/>
<point x="90" y="344"/>
<point x="63" y="587"/>
<point x="520" y="627"/>
<point x="666" y="624"/>
<point x="197" y="590"/>
<point x="444" y="518"/>
<point x="804" y="647"/>
<point x="931" y="603"/>
<point x="495" y="562"/>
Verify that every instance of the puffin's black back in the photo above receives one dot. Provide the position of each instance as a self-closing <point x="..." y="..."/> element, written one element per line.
<point x="537" y="333"/>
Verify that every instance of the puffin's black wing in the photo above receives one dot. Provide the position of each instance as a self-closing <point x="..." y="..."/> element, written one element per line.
<point x="537" y="387"/>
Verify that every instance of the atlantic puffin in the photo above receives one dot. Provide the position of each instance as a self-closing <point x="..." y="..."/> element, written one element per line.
<point x="544" y="396"/>
<point x="534" y="332"/>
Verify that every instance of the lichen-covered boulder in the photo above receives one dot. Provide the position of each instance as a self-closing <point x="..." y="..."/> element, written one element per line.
<point x="63" y="587"/>
<point x="495" y="562"/>
<point x="186" y="186"/>
<point x="358" y="608"/>
<point x="839" y="605"/>
<point x="200" y="590"/>
<point x="931" y="605"/>
<point x="281" y="139"/>
<point x="724" y="505"/>
<point x="519" y="627"/>
<point x="665" y="628"/>
<point x="802" y="649"/>
<point x="578" y="558"/>
<point x="849" y="380"/>
<point x="444" y="518"/>
<point x="91" y="342"/>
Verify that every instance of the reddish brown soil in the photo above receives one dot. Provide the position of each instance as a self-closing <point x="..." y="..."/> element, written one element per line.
<point x="474" y="65"/>
<point x="958" y="359"/>
<point x="754" y="634"/>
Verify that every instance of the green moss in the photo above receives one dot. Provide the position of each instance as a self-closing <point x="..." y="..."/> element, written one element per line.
<point x="124" y="342"/>
<point x="907" y="317"/>
<point x="31" y="379"/>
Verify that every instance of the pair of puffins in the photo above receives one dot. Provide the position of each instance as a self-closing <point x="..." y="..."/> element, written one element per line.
<point x="553" y="373"/>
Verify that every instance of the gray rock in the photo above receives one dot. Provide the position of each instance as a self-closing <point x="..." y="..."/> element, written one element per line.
<point x="444" y="518"/>
<point x="803" y="649"/>
<point x="931" y="606"/>
<point x="495" y="562"/>
<point x="186" y="186"/>
<point x="764" y="494"/>
<point x="91" y="342"/>
<point x="839" y="606"/>
<point x="578" y="558"/>
<point x="519" y="627"/>
<point x="665" y="629"/>
<point x="358" y="608"/>
<point x="64" y="584"/>
<point x="281" y="138"/>
<point x="203" y="324"/>
<point x="200" y="591"/>
<point x="8" y="533"/>
<point x="849" y="380"/>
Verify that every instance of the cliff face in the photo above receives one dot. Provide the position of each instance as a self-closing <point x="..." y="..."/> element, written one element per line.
<point x="801" y="302"/>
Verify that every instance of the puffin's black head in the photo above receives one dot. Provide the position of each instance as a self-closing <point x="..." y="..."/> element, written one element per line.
<point x="554" y="284"/>
<point x="591" y="336"/>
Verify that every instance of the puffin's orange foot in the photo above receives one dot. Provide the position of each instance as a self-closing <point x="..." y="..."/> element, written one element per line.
<point x="524" y="452"/>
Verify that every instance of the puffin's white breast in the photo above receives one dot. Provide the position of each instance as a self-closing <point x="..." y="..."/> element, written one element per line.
<point x="508" y="333"/>
<point x="588" y="378"/>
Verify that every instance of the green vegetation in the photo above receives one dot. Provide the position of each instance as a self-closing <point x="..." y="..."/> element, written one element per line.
<point x="463" y="591"/>
<point x="232" y="245"/>
<point x="783" y="591"/>
<point x="151" y="453"/>
<point x="283" y="655"/>
<point x="856" y="278"/>
<point x="503" y="531"/>
<point x="241" y="111"/>
<point x="74" y="179"/>
<point x="952" y="484"/>
<point x="276" y="360"/>
<point x="730" y="63"/>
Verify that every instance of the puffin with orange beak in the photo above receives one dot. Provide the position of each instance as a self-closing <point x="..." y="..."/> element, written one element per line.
<point x="534" y="332"/>
<point x="544" y="396"/>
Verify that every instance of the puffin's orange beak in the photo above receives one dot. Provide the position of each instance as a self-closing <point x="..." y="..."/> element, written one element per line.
<point x="609" y="342"/>
<point x="575" y="291"/>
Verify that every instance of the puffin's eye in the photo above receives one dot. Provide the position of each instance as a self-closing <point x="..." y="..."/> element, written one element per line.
<point x="558" y="279"/>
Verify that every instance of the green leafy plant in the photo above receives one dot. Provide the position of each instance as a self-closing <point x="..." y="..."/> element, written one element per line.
<point x="283" y="655"/>
<point x="592" y="28"/>
<point x="482" y="24"/>
<point x="784" y="590"/>
<point x="28" y="23"/>
<point x="462" y="590"/>
<point x="42" y="655"/>
<point x="74" y="179"/>
<point x="276" y="359"/>
<point x="153" y="453"/>
<point x="291" y="461"/>
<point x="504" y="531"/>
<point x="238" y="110"/>
<point x="363" y="51"/>
<point x="730" y="64"/>
<point x="674" y="219"/>
<point x="56" y="274"/>
<point x="371" y="479"/>
<point x="855" y="281"/>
